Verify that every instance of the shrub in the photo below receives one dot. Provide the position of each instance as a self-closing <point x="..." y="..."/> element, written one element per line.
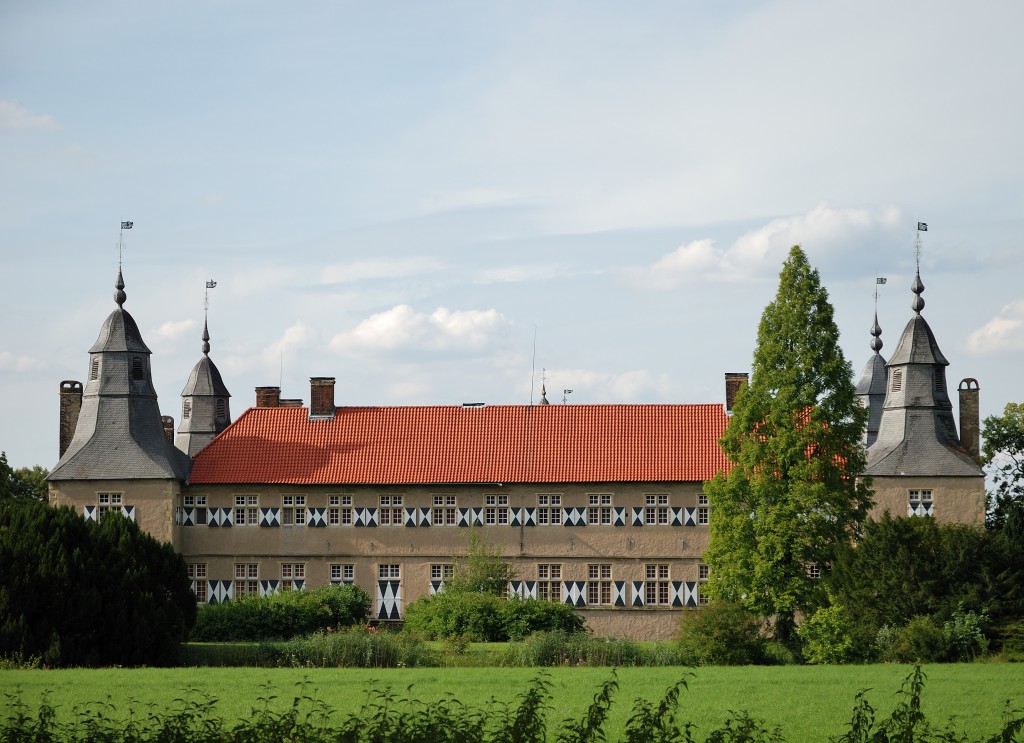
<point x="282" y="615"/>
<point x="522" y="617"/>
<point x="965" y="634"/>
<point x="484" y="617"/>
<point x="827" y="637"/>
<point x="721" y="633"/>
<point x="80" y="593"/>
<point x="920" y="640"/>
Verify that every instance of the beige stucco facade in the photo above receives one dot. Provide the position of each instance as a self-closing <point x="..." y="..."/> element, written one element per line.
<point x="150" y="503"/>
<point x="949" y="499"/>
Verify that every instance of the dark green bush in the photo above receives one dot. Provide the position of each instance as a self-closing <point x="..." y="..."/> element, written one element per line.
<point x="721" y="634"/>
<point x="484" y="617"/>
<point x="78" y="593"/>
<point x="282" y="615"/>
<point x="921" y="640"/>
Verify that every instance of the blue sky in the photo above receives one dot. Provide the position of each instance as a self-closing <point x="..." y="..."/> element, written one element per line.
<point x="433" y="202"/>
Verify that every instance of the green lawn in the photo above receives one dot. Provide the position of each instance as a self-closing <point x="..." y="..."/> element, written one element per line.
<point x="809" y="703"/>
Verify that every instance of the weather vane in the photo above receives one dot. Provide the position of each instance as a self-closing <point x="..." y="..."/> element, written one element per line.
<point x="120" y="241"/>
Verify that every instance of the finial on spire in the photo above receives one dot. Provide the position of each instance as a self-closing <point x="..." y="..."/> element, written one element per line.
<point x="119" y="295"/>
<point x="206" y="339"/>
<point x="210" y="284"/>
<point x="876" y="335"/>
<point x="918" y="286"/>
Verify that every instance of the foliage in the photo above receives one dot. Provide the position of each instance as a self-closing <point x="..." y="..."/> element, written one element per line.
<point x="484" y="617"/>
<point x="22" y="483"/>
<point x="386" y="716"/>
<point x="827" y="637"/>
<point x="721" y="634"/>
<point x="965" y="634"/>
<point x="561" y="648"/>
<point x="920" y="640"/>
<point x="74" y="592"/>
<point x="1003" y="454"/>
<point x="482" y="570"/>
<point x="282" y="615"/>
<point x="906" y="567"/>
<point x="791" y="496"/>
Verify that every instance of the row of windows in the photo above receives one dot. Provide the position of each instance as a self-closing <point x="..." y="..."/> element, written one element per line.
<point x="549" y="579"/>
<point x="441" y="503"/>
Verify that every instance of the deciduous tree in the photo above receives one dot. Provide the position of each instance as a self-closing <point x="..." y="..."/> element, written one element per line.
<point x="1004" y="456"/>
<point x="792" y="494"/>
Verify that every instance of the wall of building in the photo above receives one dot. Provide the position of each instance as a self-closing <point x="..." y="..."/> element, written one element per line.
<point x="953" y="499"/>
<point x="150" y="503"/>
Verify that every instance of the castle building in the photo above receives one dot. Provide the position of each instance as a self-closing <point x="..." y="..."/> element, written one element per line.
<point x="598" y="506"/>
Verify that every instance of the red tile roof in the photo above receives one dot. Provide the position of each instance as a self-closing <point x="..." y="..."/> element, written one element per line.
<point x="454" y="444"/>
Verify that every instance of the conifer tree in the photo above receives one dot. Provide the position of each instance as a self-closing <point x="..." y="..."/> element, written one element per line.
<point x="794" y="444"/>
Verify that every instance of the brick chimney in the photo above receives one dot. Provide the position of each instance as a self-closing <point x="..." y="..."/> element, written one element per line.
<point x="970" y="418"/>
<point x="733" y="382"/>
<point x="268" y="397"/>
<point x="168" y="424"/>
<point x="321" y="397"/>
<point x="70" y="407"/>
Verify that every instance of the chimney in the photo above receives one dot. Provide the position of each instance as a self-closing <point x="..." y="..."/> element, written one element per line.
<point x="70" y="407"/>
<point x="168" y="424"/>
<point x="733" y="382"/>
<point x="321" y="397"/>
<point x="268" y="397"/>
<point x="970" y="418"/>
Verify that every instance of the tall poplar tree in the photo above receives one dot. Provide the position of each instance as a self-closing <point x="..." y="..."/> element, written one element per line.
<point x="794" y="444"/>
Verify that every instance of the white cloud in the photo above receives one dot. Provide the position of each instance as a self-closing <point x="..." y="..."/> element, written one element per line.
<point x="15" y="116"/>
<point x="599" y="387"/>
<point x="825" y="230"/>
<point x="365" y="270"/>
<point x="1004" y="332"/>
<point x="174" y="329"/>
<point x="11" y="362"/>
<point x="401" y="327"/>
<point x="295" y="337"/>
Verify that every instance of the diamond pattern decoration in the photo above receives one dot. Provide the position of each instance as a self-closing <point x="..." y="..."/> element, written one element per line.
<point x="683" y="593"/>
<point x="638" y="516"/>
<point x="219" y="591"/>
<point x="268" y="587"/>
<point x="515" y="517"/>
<point x="689" y="517"/>
<point x="128" y="512"/>
<point x="389" y="599"/>
<point x="675" y="516"/>
<point x="575" y="592"/>
<point x="90" y="513"/>
<point x="531" y="516"/>
<point x="426" y="517"/>
<point x="921" y="509"/>
<point x="524" y="589"/>
<point x="412" y="516"/>
<point x="619" y="593"/>
<point x="478" y="516"/>
<point x="619" y="516"/>
<point x="188" y="516"/>
<point x="219" y="516"/>
<point x="575" y="517"/>
<point x="463" y="519"/>
<point x="365" y="517"/>
<point x="638" y="592"/>
<point x="270" y="516"/>
<point x="316" y="517"/>
<point x="436" y="586"/>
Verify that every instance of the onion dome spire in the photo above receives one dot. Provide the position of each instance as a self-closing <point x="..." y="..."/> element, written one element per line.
<point x="206" y="339"/>
<point x="876" y="335"/>
<point x="119" y="295"/>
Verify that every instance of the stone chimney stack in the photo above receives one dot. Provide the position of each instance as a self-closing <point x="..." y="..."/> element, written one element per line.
<point x="268" y="397"/>
<point x="168" y="424"/>
<point x="733" y="382"/>
<point x="970" y="418"/>
<point x="321" y="397"/>
<point x="70" y="407"/>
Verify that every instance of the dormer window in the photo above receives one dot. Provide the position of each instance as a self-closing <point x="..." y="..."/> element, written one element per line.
<point x="897" y="380"/>
<point x="137" y="371"/>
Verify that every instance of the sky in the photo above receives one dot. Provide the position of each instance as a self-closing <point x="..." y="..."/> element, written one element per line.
<point x="448" y="202"/>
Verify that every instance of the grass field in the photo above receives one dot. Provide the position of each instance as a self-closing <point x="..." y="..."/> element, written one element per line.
<point x="808" y="703"/>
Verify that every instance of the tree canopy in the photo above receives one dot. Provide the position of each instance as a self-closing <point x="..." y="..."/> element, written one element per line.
<point x="794" y="442"/>
<point x="23" y="482"/>
<point x="77" y="593"/>
<point x="1003" y="454"/>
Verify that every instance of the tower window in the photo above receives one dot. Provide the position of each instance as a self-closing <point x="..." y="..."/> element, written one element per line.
<point x="137" y="368"/>
<point x="940" y="380"/>
<point x="222" y="409"/>
<point x="897" y="380"/>
<point x="186" y="409"/>
<point x="94" y="370"/>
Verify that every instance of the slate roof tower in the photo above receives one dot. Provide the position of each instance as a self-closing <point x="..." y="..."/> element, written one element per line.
<point x="119" y="434"/>
<point x="205" y="410"/>
<point x="871" y="387"/>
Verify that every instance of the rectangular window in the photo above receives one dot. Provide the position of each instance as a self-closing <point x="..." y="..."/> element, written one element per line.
<point x="656" y="509"/>
<point x="339" y="510"/>
<point x="445" y="512"/>
<point x="293" y="575"/>
<point x="343" y="573"/>
<point x="442" y="572"/>
<point x="197" y="572"/>
<point x="814" y="571"/>
<point x="247" y="510"/>
<point x="107" y="503"/>
<point x="656" y="587"/>
<point x="549" y="509"/>
<point x="549" y="582"/>
<point x="293" y="510"/>
<point x="703" y="515"/>
<point x="599" y="584"/>
<point x="495" y="509"/>
<point x="247" y="579"/>
<point x="389" y="572"/>
<point x="195" y="500"/>
<point x="390" y="513"/>
<point x="599" y="509"/>
<point x="919" y="503"/>
<point x="703" y="574"/>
